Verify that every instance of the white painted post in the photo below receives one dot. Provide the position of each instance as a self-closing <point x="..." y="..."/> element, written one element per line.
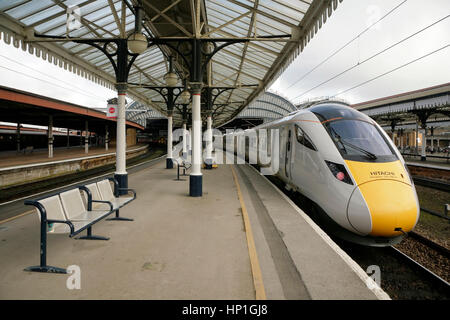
<point x="86" y="138"/>
<point x="50" y="136"/>
<point x="184" y="154"/>
<point x="68" y="138"/>
<point x="423" y="155"/>
<point x="106" y="138"/>
<point x="195" y="179"/>
<point x="121" y="174"/>
<point x="209" y="160"/>
<point x="190" y="141"/>
<point x="18" y="137"/>
<point x="169" y="159"/>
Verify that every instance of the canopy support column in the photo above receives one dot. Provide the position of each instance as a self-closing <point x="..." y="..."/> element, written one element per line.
<point x="196" y="178"/>
<point x="86" y="138"/>
<point x="68" y="138"/>
<point x="169" y="159"/>
<point x="50" y="136"/>
<point x="121" y="174"/>
<point x="184" y="153"/>
<point x="18" y="137"/>
<point x="106" y="138"/>
<point x="209" y="159"/>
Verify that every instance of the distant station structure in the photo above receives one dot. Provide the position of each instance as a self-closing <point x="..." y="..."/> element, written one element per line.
<point x="415" y="119"/>
<point x="267" y="107"/>
<point x="23" y="108"/>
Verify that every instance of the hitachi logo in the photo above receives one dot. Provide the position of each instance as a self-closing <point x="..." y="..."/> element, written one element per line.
<point x="382" y="173"/>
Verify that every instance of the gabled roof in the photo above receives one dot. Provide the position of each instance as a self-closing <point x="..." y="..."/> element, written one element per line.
<point x="257" y="62"/>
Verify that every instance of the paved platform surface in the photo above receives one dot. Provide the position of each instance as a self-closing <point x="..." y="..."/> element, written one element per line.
<point x="429" y="164"/>
<point x="178" y="247"/>
<point x="11" y="159"/>
<point x="298" y="260"/>
<point x="181" y="247"/>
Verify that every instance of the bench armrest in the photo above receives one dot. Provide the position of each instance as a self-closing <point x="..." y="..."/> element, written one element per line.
<point x="69" y="223"/>
<point x="111" y="207"/>
<point x="89" y="196"/>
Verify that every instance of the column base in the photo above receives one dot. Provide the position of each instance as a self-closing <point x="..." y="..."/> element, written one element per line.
<point x="195" y="186"/>
<point x="169" y="163"/>
<point x="208" y="163"/>
<point x="122" y="179"/>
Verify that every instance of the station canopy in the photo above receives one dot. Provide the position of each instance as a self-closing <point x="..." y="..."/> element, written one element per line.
<point x="273" y="34"/>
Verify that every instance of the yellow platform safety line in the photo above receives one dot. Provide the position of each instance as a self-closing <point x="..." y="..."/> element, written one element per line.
<point x="18" y="216"/>
<point x="256" y="270"/>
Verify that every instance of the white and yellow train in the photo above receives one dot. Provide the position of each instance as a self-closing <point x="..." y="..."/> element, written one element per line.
<point x="347" y="166"/>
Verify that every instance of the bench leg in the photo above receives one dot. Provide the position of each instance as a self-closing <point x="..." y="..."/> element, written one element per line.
<point x="43" y="267"/>
<point x="89" y="236"/>
<point x="118" y="218"/>
<point x="178" y="175"/>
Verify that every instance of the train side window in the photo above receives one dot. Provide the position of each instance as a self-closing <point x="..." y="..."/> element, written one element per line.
<point x="303" y="138"/>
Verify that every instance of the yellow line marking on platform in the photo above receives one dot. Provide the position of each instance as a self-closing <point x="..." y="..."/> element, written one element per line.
<point x="18" y="216"/>
<point x="256" y="270"/>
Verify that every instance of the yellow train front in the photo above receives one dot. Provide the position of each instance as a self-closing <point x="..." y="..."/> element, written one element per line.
<point x="370" y="175"/>
<point x="346" y="167"/>
<point x="356" y="179"/>
<point x="389" y="199"/>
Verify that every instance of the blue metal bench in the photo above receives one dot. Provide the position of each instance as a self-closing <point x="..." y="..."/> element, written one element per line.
<point x="66" y="212"/>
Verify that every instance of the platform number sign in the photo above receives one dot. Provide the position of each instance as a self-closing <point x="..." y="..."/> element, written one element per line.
<point x="111" y="111"/>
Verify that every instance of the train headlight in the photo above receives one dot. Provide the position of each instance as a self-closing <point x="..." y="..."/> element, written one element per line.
<point x="339" y="172"/>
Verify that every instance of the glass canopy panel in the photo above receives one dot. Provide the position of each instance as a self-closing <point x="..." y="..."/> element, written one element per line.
<point x="41" y="15"/>
<point x="239" y="64"/>
<point x="6" y="5"/>
<point x="25" y="9"/>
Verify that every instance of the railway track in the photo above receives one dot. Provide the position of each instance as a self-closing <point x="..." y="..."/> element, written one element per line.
<point x="431" y="183"/>
<point x="403" y="277"/>
<point x="439" y="248"/>
<point x="427" y="273"/>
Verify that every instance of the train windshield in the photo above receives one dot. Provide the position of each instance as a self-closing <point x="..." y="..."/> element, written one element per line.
<point x="359" y="141"/>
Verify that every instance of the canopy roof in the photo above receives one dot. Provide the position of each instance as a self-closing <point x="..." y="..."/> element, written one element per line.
<point x="432" y="104"/>
<point x="268" y="106"/>
<point x="249" y="67"/>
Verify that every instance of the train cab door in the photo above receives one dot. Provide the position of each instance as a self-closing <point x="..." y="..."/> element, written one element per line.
<point x="287" y="161"/>
<point x="282" y="154"/>
<point x="285" y="152"/>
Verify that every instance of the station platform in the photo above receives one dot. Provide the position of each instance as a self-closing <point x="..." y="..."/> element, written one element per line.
<point x="181" y="247"/>
<point x="429" y="164"/>
<point x="13" y="159"/>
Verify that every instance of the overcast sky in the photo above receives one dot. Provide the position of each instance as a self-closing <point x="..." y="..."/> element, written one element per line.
<point x="20" y="70"/>
<point x="350" y="19"/>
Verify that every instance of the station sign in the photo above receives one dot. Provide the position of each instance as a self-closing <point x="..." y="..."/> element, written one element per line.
<point x="111" y="110"/>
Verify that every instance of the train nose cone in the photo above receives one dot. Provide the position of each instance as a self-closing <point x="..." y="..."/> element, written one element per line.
<point x="392" y="205"/>
<point x="358" y="213"/>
